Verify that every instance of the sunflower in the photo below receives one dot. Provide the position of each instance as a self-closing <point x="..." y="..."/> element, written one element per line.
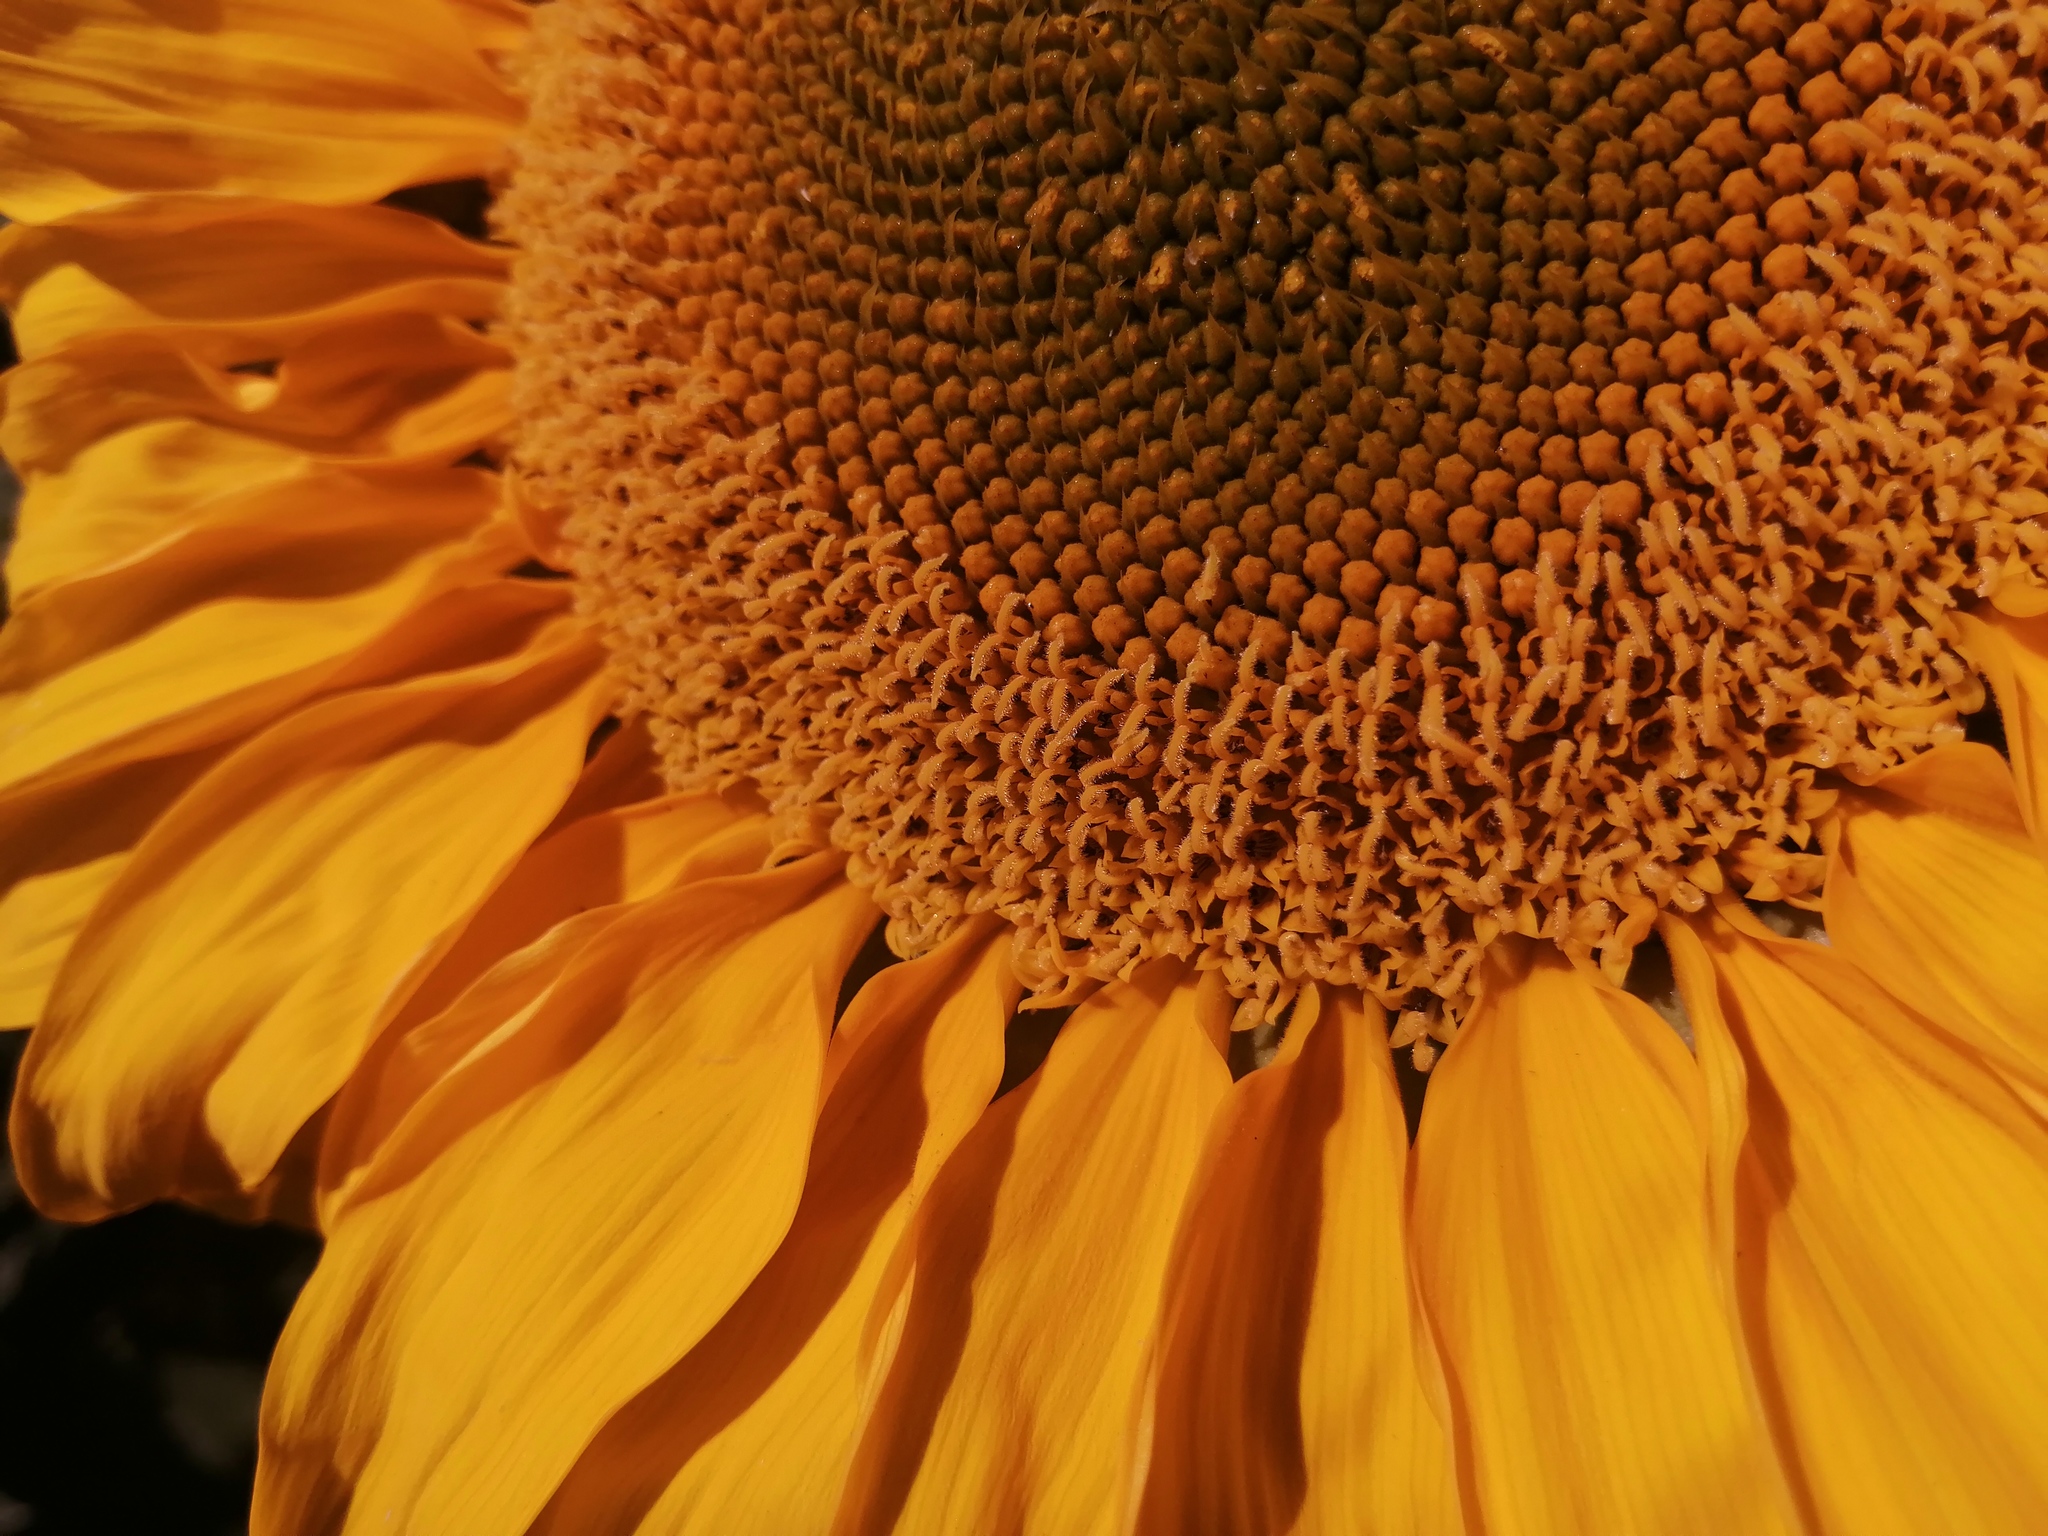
<point x="972" y="767"/>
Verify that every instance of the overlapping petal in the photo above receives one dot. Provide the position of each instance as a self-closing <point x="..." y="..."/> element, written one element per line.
<point x="1566" y="1251"/>
<point x="179" y="584"/>
<point x="1891" y="1197"/>
<point x="58" y="859"/>
<point x="495" y="24"/>
<point x="589" y="871"/>
<point x="227" y="979"/>
<point x="288" y="98"/>
<point x="122" y="495"/>
<point x="210" y="310"/>
<point x="352" y="379"/>
<point x="1288" y="1394"/>
<point x="232" y="622"/>
<point x="430" y="1080"/>
<point x="66" y="834"/>
<point x="1936" y="891"/>
<point x="474" y="1322"/>
<point x="172" y="261"/>
<point x="752" y="1430"/>
<point x="2012" y="653"/>
<point x="1015" y="1360"/>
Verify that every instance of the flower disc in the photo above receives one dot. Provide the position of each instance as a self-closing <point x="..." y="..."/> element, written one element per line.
<point x="1309" y="487"/>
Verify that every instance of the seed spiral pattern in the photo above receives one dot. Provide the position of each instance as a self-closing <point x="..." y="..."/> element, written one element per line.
<point x="1309" y="487"/>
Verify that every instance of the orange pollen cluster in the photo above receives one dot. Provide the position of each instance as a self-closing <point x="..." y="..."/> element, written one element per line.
<point x="1305" y="487"/>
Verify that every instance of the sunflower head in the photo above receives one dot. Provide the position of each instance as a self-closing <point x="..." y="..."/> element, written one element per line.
<point x="1311" y="488"/>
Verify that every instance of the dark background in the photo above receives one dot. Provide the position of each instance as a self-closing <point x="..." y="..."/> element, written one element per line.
<point x="132" y="1352"/>
<point x="131" y="1361"/>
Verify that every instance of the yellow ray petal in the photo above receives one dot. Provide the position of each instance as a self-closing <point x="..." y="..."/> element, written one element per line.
<point x="58" y="860"/>
<point x="1287" y="1395"/>
<point x="1936" y="890"/>
<point x="169" y="260"/>
<point x="474" y="411"/>
<point x="611" y="857"/>
<point x="498" y="25"/>
<point x="471" y="622"/>
<point x="468" y="1330"/>
<point x="298" y="540"/>
<point x="1893" y="1194"/>
<point x="752" y="1430"/>
<point x="337" y="381"/>
<point x="120" y="496"/>
<point x="1012" y="1396"/>
<point x="285" y="98"/>
<point x="224" y="984"/>
<point x="232" y="625"/>
<point x="156" y="250"/>
<point x="39" y="917"/>
<point x="76" y="318"/>
<point x="624" y="770"/>
<point x="562" y="893"/>
<point x="477" y="1054"/>
<point x="63" y="840"/>
<point x="2012" y="653"/>
<point x="1565" y="1252"/>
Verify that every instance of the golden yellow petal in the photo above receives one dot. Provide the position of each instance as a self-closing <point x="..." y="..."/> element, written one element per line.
<point x="1287" y="1395"/>
<point x="1015" y="1371"/>
<point x="495" y="24"/>
<point x="752" y="1430"/>
<point x="563" y="892"/>
<point x="171" y="261"/>
<point x="124" y="784"/>
<point x="133" y="489"/>
<point x="224" y="985"/>
<point x="58" y="854"/>
<point x="39" y="917"/>
<point x="228" y="623"/>
<point x="1566" y="1251"/>
<point x="2012" y="653"/>
<point x="405" y="1108"/>
<point x="306" y="99"/>
<point x="611" y="857"/>
<point x="340" y="380"/>
<point x="1891" y="1197"/>
<point x="619" y="1164"/>
<point x="1936" y="890"/>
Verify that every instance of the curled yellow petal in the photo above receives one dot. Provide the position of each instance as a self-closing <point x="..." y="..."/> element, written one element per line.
<point x="1891" y="1196"/>
<point x="1566" y="1250"/>
<point x="185" y="261"/>
<point x="568" y="888"/>
<point x="495" y="24"/>
<point x="344" y="380"/>
<point x="124" y="494"/>
<point x="59" y="853"/>
<point x="291" y="98"/>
